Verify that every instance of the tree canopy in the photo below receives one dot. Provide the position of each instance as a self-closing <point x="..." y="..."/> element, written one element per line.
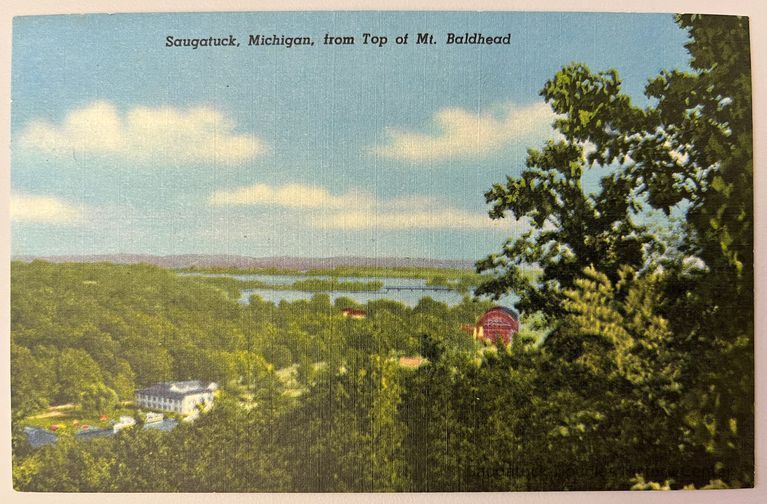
<point x="667" y="234"/>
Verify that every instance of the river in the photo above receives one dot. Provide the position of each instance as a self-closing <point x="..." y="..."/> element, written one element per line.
<point x="407" y="297"/>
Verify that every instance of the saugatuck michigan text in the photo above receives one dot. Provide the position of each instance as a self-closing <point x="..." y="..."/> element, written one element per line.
<point x="366" y="39"/>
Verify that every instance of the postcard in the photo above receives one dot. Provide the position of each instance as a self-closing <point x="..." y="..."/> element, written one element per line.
<point x="381" y="252"/>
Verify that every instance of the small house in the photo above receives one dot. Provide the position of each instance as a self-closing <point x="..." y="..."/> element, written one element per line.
<point x="411" y="362"/>
<point x="354" y="313"/>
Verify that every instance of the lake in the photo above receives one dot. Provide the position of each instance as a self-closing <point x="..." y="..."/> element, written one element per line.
<point x="407" y="297"/>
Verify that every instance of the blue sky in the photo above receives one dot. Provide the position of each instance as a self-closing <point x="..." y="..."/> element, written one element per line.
<point x="120" y="144"/>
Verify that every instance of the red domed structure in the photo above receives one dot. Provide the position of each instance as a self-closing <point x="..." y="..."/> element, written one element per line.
<point x="497" y="323"/>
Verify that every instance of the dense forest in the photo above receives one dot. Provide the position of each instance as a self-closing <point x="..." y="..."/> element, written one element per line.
<point x="644" y="378"/>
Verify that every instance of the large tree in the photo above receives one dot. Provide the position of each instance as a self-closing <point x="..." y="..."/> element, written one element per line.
<point x="674" y="203"/>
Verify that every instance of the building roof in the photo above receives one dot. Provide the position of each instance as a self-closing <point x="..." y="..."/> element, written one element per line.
<point x="39" y="437"/>
<point x="179" y="389"/>
<point x="411" y="362"/>
<point x="509" y="311"/>
<point x="164" y="425"/>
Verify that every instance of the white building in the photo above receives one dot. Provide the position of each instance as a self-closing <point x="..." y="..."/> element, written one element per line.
<point x="153" y="417"/>
<point x="177" y="397"/>
<point x="125" y="422"/>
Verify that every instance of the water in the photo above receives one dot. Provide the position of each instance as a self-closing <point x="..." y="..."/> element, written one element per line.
<point x="271" y="279"/>
<point x="409" y="298"/>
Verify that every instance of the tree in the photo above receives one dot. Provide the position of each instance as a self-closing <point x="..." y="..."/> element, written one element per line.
<point x="624" y="407"/>
<point x="228" y="450"/>
<point x="32" y="380"/>
<point x="76" y="372"/>
<point x="687" y="154"/>
<point x="345" y="435"/>
<point x="707" y="118"/>
<point x="122" y="380"/>
<point x="98" y="399"/>
<point x="466" y="415"/>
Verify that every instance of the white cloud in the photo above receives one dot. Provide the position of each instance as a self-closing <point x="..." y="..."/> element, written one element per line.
<point x="197" y="134"/>
<point x="463" y="133"/>
<point x="356" y="209"/>
<point x="28" y="208"/>
<point x="436" y="218"/>
<point x="291" y="196"/>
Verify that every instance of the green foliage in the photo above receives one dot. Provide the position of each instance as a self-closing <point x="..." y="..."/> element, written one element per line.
<point x="680" y="342"/>
<point x="634" y="342"/>
<point x="145" y="324"/>
<point x="346" y="436"/>
<point x="33" y="378"/>
<point x="466" y="416"/>
<point x="98" y="399"/>
<point x="75" y="373"/>
<point x="122" y="326"/>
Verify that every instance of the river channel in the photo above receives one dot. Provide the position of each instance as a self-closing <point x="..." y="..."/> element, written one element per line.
<point x="404" y="290"/>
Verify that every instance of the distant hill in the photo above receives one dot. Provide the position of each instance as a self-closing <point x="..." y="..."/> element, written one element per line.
<point x="234" y="261"/>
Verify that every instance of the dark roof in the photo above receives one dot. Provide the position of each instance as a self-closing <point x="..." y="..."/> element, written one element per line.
<point x="94" y="433"/>
<point x="176" y="390"/>
<point x="165" y="425"/>
<point x="39" y="437"/>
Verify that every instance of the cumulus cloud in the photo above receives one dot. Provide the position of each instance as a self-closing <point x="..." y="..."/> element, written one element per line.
<point x="356" y="209"/>
<point x="462" y="133"/>
<point x="436" y="218"/>
<point x="29" y="208"/>
<point x="290" y="196"/>
<point x="197" y="134"/>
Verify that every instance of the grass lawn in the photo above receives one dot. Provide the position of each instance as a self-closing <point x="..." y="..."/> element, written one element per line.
<point x="73" y="418"/>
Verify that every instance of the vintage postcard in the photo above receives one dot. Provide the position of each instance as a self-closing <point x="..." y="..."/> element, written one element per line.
<point x="381" y="251"/>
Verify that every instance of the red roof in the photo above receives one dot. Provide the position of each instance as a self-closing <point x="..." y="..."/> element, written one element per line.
<point x="354" y="311"/>
<point x="411" y="362"/>
<point x="499" y="322"/>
